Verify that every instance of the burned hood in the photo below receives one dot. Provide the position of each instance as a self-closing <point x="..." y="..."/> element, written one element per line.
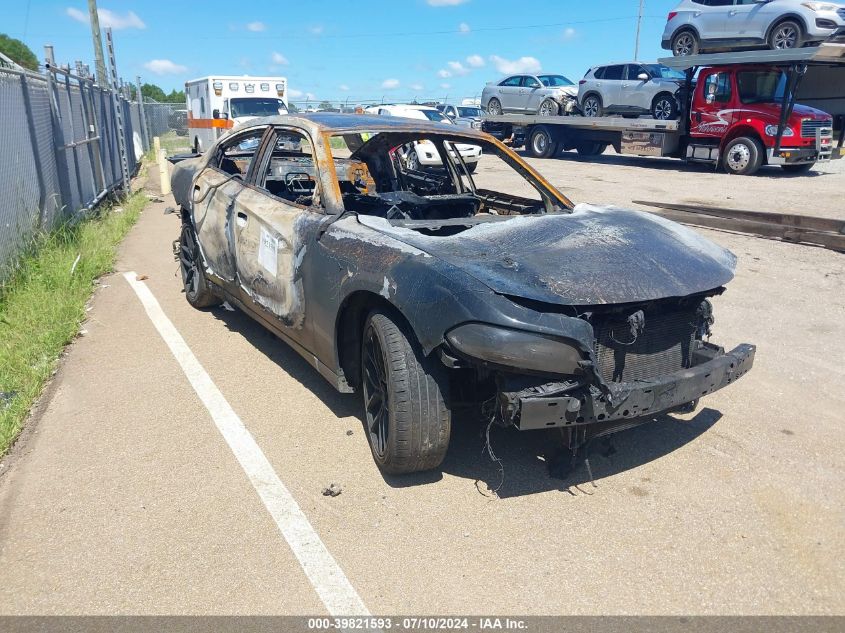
<point x="594" y="255"/>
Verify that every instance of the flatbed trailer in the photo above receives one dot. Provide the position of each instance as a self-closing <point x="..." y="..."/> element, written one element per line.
<point x="815" y="76"/>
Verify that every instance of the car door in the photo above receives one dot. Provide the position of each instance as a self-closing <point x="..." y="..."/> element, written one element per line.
<point x="533" y="92"/>
<point x="635" y="93"/>
<point x="748" y="19"/>
<point x="711" y="18"/>
<point x="611" y="92"/>
<point x="509" y="93"/>
<point x="274" y="219"/>
<point x="214" y="191"/>
<point x="712" y="111"/>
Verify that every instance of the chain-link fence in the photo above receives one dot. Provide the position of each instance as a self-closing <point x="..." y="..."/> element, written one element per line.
<point x="60" y="135"/>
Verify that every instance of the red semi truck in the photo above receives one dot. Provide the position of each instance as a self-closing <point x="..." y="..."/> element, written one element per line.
<point x="737" y="111"/>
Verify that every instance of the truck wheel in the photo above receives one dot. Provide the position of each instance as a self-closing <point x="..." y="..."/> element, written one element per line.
<point x="685" y="43"/>
<point x="590" y="148"/>
<point x="193" y="276"/>
<point x="494" y="107"/>
<point x="408" y="420"/>
<point x="664" y="107"/>
<point x="549" y="107"/>
<point x="785" y="35"/>
<point x="801" y="168"/>
<point x="592" y="106"/>
<point x="743" y="156"/>
<point x="540" y="143"/>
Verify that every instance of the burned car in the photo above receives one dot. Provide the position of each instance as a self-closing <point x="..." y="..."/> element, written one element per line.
<point x="438" y="291"/>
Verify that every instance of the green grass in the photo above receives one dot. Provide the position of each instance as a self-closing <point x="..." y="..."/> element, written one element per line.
<point x="174" y="144"/>
<point x="42" y="304"/>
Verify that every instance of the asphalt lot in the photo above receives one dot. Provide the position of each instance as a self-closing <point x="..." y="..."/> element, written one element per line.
<point x="123" y="496"/>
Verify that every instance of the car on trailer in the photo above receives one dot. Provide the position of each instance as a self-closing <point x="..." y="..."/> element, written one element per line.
<point x="433" y="294"/>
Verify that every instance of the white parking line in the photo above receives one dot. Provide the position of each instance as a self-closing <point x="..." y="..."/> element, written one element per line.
<point x="322" y="570"/>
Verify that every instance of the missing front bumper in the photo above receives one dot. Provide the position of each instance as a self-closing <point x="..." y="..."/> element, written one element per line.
<point x="633" y="400"/>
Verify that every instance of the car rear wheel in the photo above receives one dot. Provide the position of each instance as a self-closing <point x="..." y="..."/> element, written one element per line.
<point x="541" y="144"/>
<point x="548" y="107"/>
<point x="193" y="276"/>
<point x="494" y="107"/>
<point x="685" y="43"/>
<point x="664" y="107"/>
<point x="743" y="156"/>
<point x="405" y="395"/>
<point x="590" y="148"/>
<point x="801" y="168"/>
<point x="786" y="35"/>
<point x="592" y="106"/>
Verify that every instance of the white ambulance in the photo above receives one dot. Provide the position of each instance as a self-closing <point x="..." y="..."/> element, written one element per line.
<point x="218" y="103"/>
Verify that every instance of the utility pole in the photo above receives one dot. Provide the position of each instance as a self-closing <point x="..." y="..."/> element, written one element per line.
<point x="99" y="60"/>
<point x="639" y="21"/>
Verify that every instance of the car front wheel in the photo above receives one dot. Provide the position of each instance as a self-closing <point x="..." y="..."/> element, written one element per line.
<point x="193" y="276"/>
<point x="405" y="398"/>
<point x="786" y="35"/>
<point x="548" y="108"/>
<point x="743" y="156"/>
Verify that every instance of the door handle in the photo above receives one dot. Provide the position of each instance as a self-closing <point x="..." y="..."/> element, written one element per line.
<point x="731" y="12"/>
<point x="242" y="218"/>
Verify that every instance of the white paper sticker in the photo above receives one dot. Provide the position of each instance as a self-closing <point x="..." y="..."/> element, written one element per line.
<point x="268" y="252"/>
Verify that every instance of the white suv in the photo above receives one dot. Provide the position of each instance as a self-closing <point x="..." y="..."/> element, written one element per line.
<point x="698" y="25"/>
<point x="425" y="153"/>
<point x="630" y="89"/>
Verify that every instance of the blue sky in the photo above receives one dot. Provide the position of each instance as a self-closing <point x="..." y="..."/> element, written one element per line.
<point x="336" y="49"/>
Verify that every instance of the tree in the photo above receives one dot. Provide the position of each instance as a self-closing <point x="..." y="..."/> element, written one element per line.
<point x="292" y="108"/>
<point x="175" y="96"/>
<point x="324" y="105"/>
<point x="18" y="52"/>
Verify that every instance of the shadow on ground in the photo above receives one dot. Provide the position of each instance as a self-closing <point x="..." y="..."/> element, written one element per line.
<point x="523" y="457"/>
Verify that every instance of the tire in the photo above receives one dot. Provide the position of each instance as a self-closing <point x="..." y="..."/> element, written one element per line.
<point x="541" y="144"/>
<point x="801" y="168"/>
<point x="548" y="107"/>
<point x="405" y="394"/>
<point x="193" y="275"/>
<point x="592" y="106"/>
<point x="742" y="156"/>
<point x="590" y="148"/>
<point x="664" y="107"/>
<point x="413" y="161"/>
<point x="494" y="106"/>
<point x="685" y="43"/>
<point x="786" y="35"/>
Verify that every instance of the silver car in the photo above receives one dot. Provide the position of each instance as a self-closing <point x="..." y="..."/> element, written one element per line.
<point x="632" y="88"/>
<point x="700" y="25"/>
<point x="546" y="95"/>
<point x="463" y="115"/>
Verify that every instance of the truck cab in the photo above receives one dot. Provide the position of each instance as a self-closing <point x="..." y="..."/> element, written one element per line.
<point x="735" y="118"/>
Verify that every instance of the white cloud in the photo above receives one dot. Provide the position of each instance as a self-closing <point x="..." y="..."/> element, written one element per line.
<point x="569" y="33"/>
<point x="317" y="29"/>
<point x="295" y="94"/>
<point x="343" y="87"/>
<point x="521" y="65"/>
<point x="417" y="87"/>
<point x="463" y="27"/>
<point x="443" y="73"/>
<point x="445" y="86"/>
<point x="256" y="27"/>
<point x="475" y="61"/>
<point x="310" y="96"/>
<point x="165" y="67"/>
<point x="390" y="84"/>
<point x="109" y="19"/>
<point x="279" y="59"/>
<point x="445" y="3"/>
<point x="458" y="69"/>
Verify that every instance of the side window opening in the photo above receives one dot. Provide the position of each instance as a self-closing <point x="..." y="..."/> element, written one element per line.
<point x="291" y="174"/>
<point x="717" y="88"/>
<point x="235" y="157"/>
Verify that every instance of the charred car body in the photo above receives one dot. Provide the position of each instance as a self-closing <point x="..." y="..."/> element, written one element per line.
<point x="427" y="291"/>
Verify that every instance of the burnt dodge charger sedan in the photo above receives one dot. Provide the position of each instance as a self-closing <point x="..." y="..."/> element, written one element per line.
<point x="432" y="291"/>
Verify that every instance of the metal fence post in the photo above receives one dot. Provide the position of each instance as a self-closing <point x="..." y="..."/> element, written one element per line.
<point x="141" y="117"/>
<point x="118" y="112"/>
<point x="58" y="135"/>
<point x="36" y="154"/>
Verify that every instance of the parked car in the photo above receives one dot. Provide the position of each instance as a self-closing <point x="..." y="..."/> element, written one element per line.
<point x="424" y="154"/>
<point x="700" y="25"/>
<point x="632" y="88"/>
<point x="546" y="95"/>
<point x="467" y="116"/>
<point x="426" y="292"/>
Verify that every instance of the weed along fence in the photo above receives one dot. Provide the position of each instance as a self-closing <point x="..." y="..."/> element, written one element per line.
<point x="66" y="144"/>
